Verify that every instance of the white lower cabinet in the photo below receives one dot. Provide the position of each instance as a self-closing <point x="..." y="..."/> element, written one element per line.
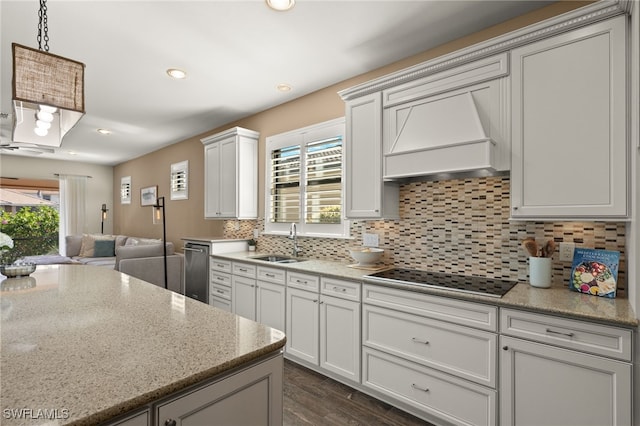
<point x="419" y="352"/>
<point x="270" y="297"/>
<point x="243" y="297"/>
<point x="323" y="324"/>
<point x="444" y="396"/>
<point x="302" y="329"/>
<point x="575" y="388"/>
<point x="226" y="402"/>
<point x="220" y="284"/>
<point x="340" y="336"/>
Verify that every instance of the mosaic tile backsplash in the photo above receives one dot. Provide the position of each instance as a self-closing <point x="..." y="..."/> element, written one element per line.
<point x="459" y="226"/>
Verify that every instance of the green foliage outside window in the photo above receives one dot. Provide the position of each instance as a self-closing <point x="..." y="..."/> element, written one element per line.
<point x="34" y="232"/>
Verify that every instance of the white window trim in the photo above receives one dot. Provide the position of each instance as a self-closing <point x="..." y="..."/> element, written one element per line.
<point x="301" y="136"/>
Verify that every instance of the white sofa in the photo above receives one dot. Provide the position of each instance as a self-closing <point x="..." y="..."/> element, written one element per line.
<point x="142" y="258"/>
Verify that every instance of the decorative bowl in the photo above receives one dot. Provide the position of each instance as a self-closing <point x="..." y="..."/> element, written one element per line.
<point x="15" y="271"/>
<point x="366" y="256"/>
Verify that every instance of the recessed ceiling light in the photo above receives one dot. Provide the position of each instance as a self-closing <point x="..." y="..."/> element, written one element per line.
<point x="104" y="131"/>
<point x="176" y="73"/>
<point x="283" y="87"/>
<point x="281" y="5"/>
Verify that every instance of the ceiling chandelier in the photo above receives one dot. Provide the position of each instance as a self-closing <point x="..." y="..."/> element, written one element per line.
<point x="48" y="91"/>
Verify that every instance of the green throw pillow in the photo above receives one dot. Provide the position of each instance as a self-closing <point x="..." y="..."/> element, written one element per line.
<point x="105" y="248"/>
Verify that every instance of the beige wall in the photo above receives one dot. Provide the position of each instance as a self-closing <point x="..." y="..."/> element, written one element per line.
<point x="99" y="187"/>
<point x="185" y="218"/>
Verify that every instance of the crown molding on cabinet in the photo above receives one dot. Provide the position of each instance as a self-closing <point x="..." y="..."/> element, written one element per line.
<point x="598" y="11"/>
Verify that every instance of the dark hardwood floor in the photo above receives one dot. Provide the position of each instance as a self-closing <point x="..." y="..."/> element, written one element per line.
<point x="313" y="399"/>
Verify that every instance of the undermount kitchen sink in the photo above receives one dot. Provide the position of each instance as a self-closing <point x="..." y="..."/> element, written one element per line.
<point x="278" y="259"/>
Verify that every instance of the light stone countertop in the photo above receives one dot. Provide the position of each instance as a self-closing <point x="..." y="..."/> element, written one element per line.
<point x="557" y="300"/>
<point x="93" y="343"/>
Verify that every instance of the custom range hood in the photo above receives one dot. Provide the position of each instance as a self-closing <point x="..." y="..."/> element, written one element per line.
<point x="445" y="134"/>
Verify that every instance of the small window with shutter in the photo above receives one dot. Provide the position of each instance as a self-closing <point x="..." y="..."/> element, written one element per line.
<point x="304" y="181"/>
<point x="125" y="190"/>
<point x="180" y="180"/>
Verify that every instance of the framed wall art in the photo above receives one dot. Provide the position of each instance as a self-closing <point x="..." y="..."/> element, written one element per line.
<point x="148" y="195"/>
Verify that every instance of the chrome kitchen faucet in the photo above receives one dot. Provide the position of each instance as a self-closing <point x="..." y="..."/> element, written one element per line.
<point x="293" y="234"/>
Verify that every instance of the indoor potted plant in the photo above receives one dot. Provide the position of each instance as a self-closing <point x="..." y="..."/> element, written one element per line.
<point x="252" y="244"/>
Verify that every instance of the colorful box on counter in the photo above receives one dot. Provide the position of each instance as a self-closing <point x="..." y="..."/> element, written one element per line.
<point x="595" y="272"/>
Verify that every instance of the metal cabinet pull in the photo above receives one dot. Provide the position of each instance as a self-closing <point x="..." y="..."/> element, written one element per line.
<point x="242" y="269"/>
<point x="550" y="331"/>
<point x="301" y="281"/>
<point x="413" y="385"/>
<point x="315" y="301"/>
<point x="344" y="290"/>
<point x="220" y="291"/>
<point x="270" y="275"/>
<point x="170" y="422"/>
<point x="418" y="340"/>
<point x="220" y="278"/>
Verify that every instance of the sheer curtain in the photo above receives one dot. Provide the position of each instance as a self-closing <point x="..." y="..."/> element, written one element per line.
<point x="73" y="195"/>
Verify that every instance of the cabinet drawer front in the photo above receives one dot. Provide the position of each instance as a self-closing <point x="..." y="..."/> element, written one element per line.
<point x="222" y="265"/>
<point x="340" y="288"/>
<point x="579" y="335"/>
<point x="244" y="269"/>
<point x="272" y="275"/>
<point x="442" y="308"/>
<point x="461" y="351"/>
<point x="453" y="400"/>
<point x="220" y="278"/>
<point x="303" y="281"/>
<point x="221" y="291"/>
<point x="220" y="303"/>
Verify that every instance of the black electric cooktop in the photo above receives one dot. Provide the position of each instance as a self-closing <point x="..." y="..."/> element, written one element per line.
<point x="492" y="287"/>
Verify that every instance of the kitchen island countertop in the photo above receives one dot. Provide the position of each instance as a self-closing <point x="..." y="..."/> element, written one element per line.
<point x="89" y="343"/>
<point x="557" y="300"/>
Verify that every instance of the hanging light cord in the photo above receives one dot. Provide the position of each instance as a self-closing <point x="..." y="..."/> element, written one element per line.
<point x="43" y="27"/>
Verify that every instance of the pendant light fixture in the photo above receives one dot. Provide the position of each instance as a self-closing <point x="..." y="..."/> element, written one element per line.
<point x="48" y="91"/>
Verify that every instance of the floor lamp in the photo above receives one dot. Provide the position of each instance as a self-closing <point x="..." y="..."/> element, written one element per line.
<point x="103" y="217"/>
<point x="158" y="214"/>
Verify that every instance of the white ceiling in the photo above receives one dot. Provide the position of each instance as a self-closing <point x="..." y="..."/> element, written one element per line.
<point x="235" y="53"/>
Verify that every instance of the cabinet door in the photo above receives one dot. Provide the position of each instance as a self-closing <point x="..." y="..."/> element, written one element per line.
<point x="302" y="324"/>
<point x="243" y="297"/>
<point x="340" y="337"/>
<point x="228" y="183"/>
<point x="569" y="135"/>
<point x="546" y="386"/>
<point x="211" y="180"/>
<point x="270" y="302"/>
<point x="250" y="397"/>
<point x="366" y="196"/>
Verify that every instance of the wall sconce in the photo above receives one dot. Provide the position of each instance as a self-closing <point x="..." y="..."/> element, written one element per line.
<point x="158" y="216"/>
<point x="48" y="91"/>
<point x="103" y="217"/>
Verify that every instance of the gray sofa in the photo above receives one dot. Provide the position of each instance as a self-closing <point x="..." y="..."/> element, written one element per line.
<point x="139" y="257"/>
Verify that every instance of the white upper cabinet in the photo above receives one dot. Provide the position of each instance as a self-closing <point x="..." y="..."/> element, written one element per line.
<point x="231" y="174"/>
<point x="366" y="195"/>
<point x="569" y="112"/>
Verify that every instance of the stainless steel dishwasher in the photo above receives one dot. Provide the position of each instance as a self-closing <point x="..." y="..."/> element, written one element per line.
<point x="196" y="273"/>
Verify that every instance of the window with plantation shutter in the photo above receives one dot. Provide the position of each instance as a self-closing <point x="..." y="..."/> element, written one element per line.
<point x="125" y="190"/>
<point x="304" y="181"/>
<point x="180" y="180"/>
